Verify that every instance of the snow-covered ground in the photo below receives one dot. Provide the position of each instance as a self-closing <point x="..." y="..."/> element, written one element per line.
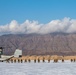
<point x="66" y="68"/>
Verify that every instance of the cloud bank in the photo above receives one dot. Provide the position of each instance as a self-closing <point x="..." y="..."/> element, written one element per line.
<point x="65" y="25"/>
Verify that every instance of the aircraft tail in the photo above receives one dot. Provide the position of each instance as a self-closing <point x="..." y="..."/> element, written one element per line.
<point x="18" y="53"/>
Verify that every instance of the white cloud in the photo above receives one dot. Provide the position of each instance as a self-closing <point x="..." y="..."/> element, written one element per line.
<point x="66" y="25"/>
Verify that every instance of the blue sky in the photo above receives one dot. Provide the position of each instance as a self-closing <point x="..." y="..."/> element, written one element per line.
<point x="41" y="10"/>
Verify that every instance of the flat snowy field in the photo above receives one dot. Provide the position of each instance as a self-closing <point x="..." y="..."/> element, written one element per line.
<point x="66" y="68"/>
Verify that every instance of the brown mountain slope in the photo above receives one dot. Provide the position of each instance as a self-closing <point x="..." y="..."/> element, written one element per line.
<point x="60" y="44"/>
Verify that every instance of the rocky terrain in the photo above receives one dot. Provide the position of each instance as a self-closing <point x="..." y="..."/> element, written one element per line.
<point x="36" y="44"/>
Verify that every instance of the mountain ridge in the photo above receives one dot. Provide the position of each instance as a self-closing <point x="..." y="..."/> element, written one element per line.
<point x="37" y="44"/>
